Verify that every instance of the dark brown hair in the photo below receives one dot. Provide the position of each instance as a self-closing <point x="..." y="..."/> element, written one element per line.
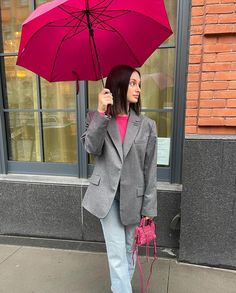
<point x="117" y="82"/>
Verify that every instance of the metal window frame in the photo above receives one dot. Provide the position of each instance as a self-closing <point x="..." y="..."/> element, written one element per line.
<point x="181" y="67"/>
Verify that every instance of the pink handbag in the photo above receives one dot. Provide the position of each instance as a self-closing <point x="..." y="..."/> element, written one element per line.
<point x="145" y="233"/>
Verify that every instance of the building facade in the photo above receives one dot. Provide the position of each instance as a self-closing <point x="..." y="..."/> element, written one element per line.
<point x="188" y="87"/>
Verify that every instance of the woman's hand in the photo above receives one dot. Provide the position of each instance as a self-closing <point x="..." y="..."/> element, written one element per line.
<point x="104" y="99"/>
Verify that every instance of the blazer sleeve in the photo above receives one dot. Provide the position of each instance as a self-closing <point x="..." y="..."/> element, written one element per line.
<point x="94" y="135"/>
<point x="149" y="207"/>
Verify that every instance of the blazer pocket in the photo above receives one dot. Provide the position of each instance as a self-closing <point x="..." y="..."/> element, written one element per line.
<point x="140" y="191"/>
<point x="95" y="179"/>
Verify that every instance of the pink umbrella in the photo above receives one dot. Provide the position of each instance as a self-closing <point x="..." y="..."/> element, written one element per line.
<point x="82" y="40"/>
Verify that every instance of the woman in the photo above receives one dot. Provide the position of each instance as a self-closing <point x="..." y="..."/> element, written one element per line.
<point x="123" y="184"/>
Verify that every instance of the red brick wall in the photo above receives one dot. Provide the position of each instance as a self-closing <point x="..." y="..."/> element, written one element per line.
<point x="211" y="88"/>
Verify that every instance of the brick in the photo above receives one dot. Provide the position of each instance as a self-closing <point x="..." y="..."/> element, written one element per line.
<point x="210" y="58"/>
<point x="210" y="39"/>
<point x="223" y="130"/>
<point x="206" y="94"/>
<point x="220" y="9"/>
<point x="197" y="2"/>
<point x="191" y="112"/>
<point x="213" y="1"/>
<point x="219" y="103"/>
<point x="227" y="1"/>
<point x="216" y="66"/>
<point x="195" y="40"/>
<point x="192" y="95"/>
<point x="191" y="121"/>
<point x="210" y="121"/>
<point x="193" y="59"/>
<point x="195" y="49"/>
<point x="194" y="68"/>
<point x="221" y="57"/>
<point x="227" y="39"/>
<point x="192" y="104"/>
<point x="211" y="19"/>
<point x="223" y="112"/>
<point x="225" y="75"/>
<point x="231" y="103"/>
<point x="204" y="130"/>
<point x="205" y="112"/>
<point x="219" y="28"/>
<point x="196" y="30"/>
<point x="233" y="66"/>
<point x="227" y="18"/>
<point x="229" y="94"/>
<point x="214" y="85"/>
<point x="193" y="77"/>
<point x="190" y="129"/>
<point x="197" y="20"/>
<point x="193" y="86"/>
<point x="207" y="76"/>
<point x="197" y="11"/>
<point x="215" y="48"/>
<point x="232" y="85"/>
<point x="230" y="121"/>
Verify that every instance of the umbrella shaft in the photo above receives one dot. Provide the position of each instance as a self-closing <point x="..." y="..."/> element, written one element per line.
<point x="91" y="32"/>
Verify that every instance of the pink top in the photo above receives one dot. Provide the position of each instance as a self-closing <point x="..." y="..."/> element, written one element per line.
<point x="122" y="121"/>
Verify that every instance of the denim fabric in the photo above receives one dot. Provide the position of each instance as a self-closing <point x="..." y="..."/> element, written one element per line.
<point x="119" y="241"/>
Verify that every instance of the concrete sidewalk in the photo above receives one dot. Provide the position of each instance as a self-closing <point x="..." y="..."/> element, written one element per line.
<point x="43" y="270"/>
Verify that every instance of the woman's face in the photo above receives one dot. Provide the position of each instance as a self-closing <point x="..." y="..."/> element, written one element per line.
<point x="134" y="90"/>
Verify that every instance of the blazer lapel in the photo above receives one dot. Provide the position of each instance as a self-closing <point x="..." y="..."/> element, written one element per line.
<point x="131" y="131"/>
<point x="113" y="131"/>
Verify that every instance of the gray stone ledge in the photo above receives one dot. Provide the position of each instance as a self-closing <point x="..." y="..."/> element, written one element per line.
<point x="64" y="180"/>
<point x="210" y="137"/>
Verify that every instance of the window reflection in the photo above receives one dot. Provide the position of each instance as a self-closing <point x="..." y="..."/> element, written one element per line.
<point x="59" y="135"/>
<point x="171" y="10"/>
<point x="158" y="80"/>
<point x="20" y="86"/>
<point x="13" y="14"/>
<point x="58" y="95"/>
<point x="23" y="136"/>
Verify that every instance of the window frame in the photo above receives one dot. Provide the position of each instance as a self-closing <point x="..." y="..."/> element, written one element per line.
<point x="82" y="169"/>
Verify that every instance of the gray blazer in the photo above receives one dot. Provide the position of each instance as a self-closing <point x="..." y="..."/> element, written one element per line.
<point x="132" y="163"/>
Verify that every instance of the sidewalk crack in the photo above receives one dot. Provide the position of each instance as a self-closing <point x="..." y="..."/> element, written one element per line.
<point x="167" y="289"/>
<point x="15" y="251"/>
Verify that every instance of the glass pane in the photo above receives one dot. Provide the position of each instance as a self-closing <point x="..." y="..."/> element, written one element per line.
<point x="94" y="87"/>
<point x="171" y="9"/>
<point x="59" y="135"/>
<point x="164" y="130"/>
<point x="39" y="2"/>
<point x="158" y="80"/>
<point x="20" y="85"/>
<point x="59" y="95"/>
<point x="13" y="14"/>
<point x="23" y="136"/>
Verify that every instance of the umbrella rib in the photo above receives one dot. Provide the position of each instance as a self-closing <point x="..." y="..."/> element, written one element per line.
<point x="105" y="15"/>
<point x="99" y="4"/>
<point x="75" y="17"/>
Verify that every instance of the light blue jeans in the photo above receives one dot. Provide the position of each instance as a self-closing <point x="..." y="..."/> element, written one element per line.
<point x="119" y="242"/>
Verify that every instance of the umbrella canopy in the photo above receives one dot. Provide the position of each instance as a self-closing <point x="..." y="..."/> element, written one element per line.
<point x="83" y="39"/>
